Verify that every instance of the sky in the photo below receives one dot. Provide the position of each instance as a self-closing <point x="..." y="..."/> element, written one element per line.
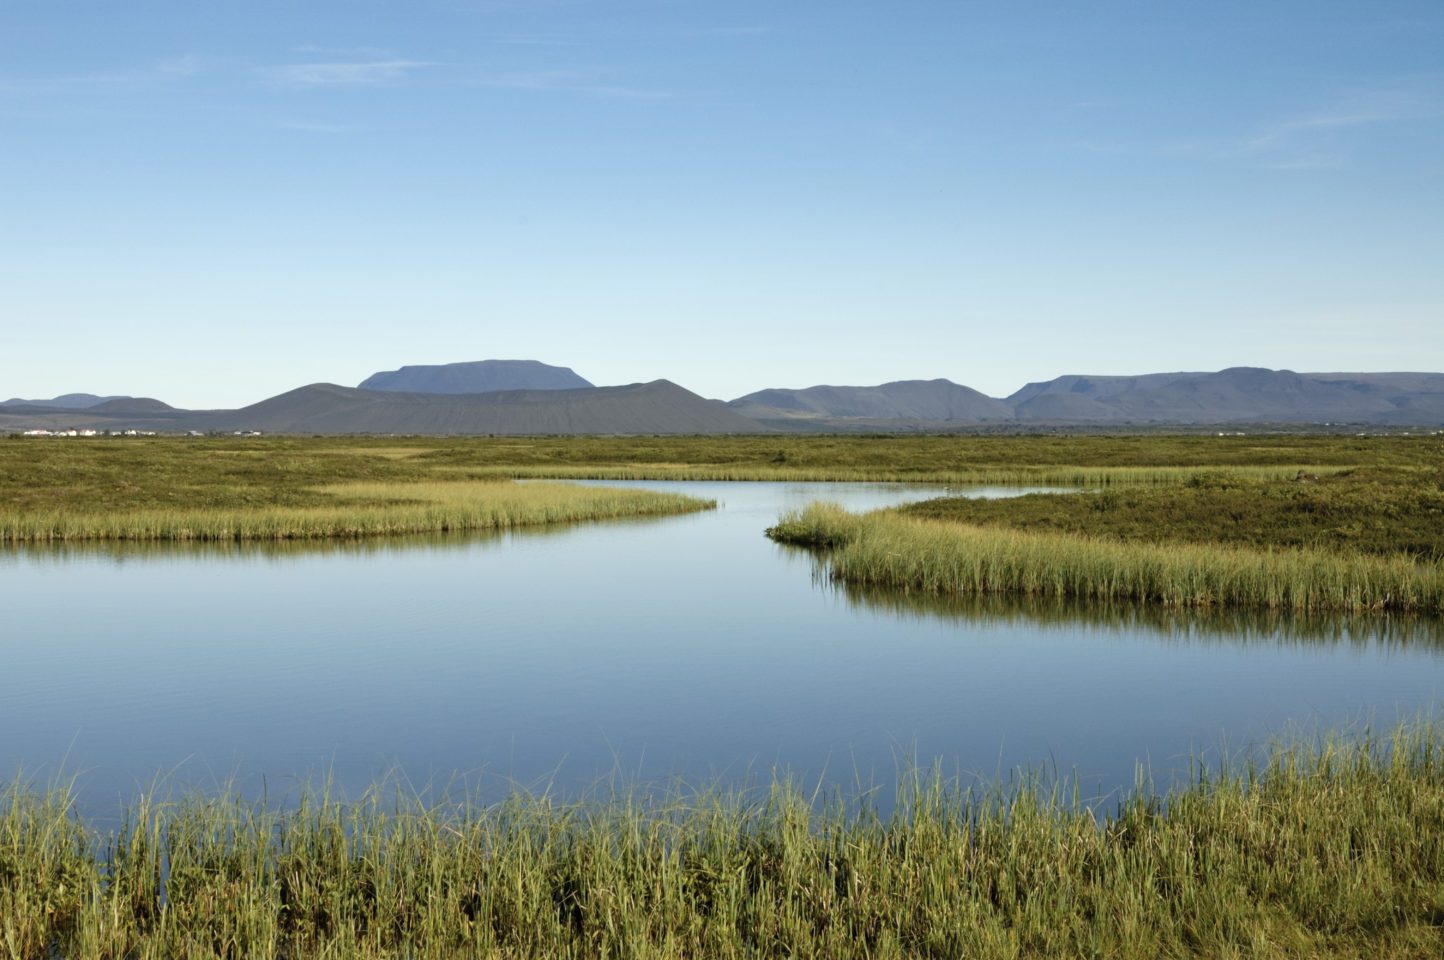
<point x="211" y="203"/>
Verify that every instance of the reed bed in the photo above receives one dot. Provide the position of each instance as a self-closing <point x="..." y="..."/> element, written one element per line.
<point x="353" y="510"/>
<point x="1329" y="848"/>
<point x="1056" y="476"/>
<point x="886" y="549"/>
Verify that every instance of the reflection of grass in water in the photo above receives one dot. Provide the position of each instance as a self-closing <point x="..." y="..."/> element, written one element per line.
<point x="355" y="510"/>
<point x="1332" y="848"/>
<point x="1232" y="626"/>
<point x="887" y="549"/>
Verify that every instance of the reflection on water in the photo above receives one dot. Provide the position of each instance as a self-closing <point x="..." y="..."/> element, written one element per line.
<point x="1218" y="626"/>
<point x="689" y="647"/>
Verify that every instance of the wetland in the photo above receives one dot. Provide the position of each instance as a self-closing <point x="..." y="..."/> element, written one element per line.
<point x="665" y="729"/>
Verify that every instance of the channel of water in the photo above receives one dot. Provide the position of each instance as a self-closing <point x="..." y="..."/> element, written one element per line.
<point x="687" y="647"/>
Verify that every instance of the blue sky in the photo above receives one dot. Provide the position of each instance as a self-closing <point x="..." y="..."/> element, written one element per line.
<point x="214" y="202"/>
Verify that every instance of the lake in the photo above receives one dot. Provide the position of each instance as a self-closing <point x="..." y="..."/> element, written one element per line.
<point x="688" y="647"/>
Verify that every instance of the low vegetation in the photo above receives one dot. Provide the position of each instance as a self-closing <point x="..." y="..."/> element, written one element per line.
<point x="1330" y="849"/>
<point x="353" y="510"/>
<point x="284" y="471"/>
<point x="888" y="549"/>
<point x="1062" y="475"/>
<point x="1360" y="510"/>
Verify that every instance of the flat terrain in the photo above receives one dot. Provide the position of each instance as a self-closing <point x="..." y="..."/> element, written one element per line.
<point x="1369" y="510"/>
<point x="1375" y="493"/>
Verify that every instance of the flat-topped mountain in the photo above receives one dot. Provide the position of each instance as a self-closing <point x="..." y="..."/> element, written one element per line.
<point x="657" y="407"/>
<point x="940" y="400"/>
<point x="478" y="376"/>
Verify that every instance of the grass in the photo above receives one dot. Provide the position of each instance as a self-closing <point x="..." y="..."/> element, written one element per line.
<point x="888" y="549"/>
<point x="125" y="473"/>
<point x="1062" y="475"/>
<point x="1332" y="848"/>
<point x="352" y="510"/>
<point x="1368" y="510"/>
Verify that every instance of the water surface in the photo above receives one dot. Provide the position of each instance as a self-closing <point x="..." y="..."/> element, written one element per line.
<point x="677" y="647"/>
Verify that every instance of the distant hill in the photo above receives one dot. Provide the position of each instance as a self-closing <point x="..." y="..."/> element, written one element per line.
<point x="926" y="400"/>
<point x="480" y="376"/>
<point x="66" y="401"/>
<point x="657" y="407"/>
<point x="1238" y="394"/>
<point x="131" y="407"/>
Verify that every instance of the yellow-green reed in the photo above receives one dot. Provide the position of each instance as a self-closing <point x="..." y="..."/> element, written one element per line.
<point x="1327" y="849"/>
<point x="355" y="510"/>
<point x="885" y="549"/>
<point x="1052" y="475"/>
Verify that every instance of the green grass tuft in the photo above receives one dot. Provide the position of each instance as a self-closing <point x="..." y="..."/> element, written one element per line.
<point x="1333" y="848"/>
<point x="887" y="549"/>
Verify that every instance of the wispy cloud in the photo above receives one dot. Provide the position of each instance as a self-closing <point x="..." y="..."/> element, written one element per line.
<point x="82" y="82"/>
<point x="537" y="40"/>
<point x="735" y="31"/>
<point x="360" y="73"/>
<point x="302" y="125"/>
<point x="187" y="65"/>
<point x="1328" y="136"/>
<point x="574" y="83"/>
<point x="1322" y="138"/>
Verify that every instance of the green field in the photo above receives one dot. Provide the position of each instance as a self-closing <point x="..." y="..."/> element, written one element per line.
<point x="1325" y="849"/>
<point x="347" y="510"/>
<point x="1372" y="510"/>
<point x="123" y="473"/>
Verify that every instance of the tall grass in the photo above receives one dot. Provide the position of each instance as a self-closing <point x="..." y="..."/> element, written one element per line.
<point x="1051" y="475"/>
<point x="354" y="510"/>
<point x="1326" y="849"/>
<point x="886" y="549"/>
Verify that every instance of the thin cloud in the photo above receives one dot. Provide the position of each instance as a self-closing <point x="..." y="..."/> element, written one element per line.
<point x="577" y="84"/>
<point x="1319" y="139"/>
<point x="537" y="40"/>
<point x="319" y="126"/>
<point x="364" y="73"/>
<point x="737" y="31"/>
<point x="183" y="66"/>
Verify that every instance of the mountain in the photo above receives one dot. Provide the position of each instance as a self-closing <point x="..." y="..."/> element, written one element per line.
<point x="912" y="400"/>
<point x="657" y="407"/>
<point x="132" y="407"/>
<point x="1238" y="394"/>
<point x="479" y="376"/>
<point x="66" y="401"/>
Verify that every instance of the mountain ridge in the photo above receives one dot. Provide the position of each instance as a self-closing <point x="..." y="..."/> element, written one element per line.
<point x="1235" y="395"/>
<point x="475" y="376"/>
<point x="659" y="406"/>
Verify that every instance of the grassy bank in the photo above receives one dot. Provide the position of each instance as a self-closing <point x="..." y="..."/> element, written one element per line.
<point x="1362" y="510"/>
<point x="351" y="510"/>
<point x="887" y="549"/>
<point x="1324" y="850"/>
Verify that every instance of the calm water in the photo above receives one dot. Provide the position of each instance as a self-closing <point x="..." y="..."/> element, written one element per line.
<point x="687" y="646"/>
